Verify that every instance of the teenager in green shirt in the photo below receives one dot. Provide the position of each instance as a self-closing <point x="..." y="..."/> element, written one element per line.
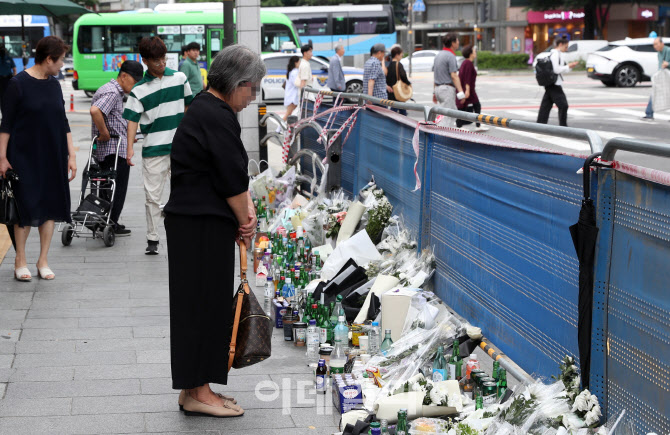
<point x="191" y="68"/>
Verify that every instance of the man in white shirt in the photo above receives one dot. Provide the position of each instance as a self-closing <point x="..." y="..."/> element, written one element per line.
<point x="554" y="94"/>
<point x="305" y="69"/>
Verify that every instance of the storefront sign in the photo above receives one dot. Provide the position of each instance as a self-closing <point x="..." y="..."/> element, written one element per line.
<point x="647" y="14"/>
<point x="536" y="17"/>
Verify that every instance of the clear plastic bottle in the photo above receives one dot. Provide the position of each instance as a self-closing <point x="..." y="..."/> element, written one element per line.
<point x="269" y="292"/>
<point x="388" y="341"/>
<point x="312" y="342"/>
<point x="338" y="358"/>
<point x="473" y="363"/>
<point x="374" y="339"/>
<point x="288" y="291"/>
<point x="341" y="332"/>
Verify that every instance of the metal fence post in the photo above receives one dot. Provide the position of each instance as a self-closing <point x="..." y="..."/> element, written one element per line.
<point x="334" y="160"/>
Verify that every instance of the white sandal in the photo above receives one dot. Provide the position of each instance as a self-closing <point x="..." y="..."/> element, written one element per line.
<point x="43" y="272"/>
<point x="22" y="274"/>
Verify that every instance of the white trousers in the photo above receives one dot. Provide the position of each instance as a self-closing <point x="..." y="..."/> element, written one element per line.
<point x="446" y="97"/>
<point x="156" y="172"/>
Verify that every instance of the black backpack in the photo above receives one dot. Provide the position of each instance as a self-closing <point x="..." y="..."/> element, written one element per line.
<point x="544" y="72"/>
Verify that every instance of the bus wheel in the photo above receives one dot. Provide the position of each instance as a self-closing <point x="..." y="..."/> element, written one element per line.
<point x="89" y="94"/>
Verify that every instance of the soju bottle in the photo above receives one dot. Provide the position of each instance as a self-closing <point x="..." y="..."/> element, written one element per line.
<point x="385" y="427"/>
<point x="324" y="326"/>
<point x="502" y="382"/>
<point x="388" y="341"/>
<point x="496" y="367"/>
<point x="455" y="362"/>
<point x="440" y="366"/>
<point x="401" y="427"/>
<point x="479" y="402"/>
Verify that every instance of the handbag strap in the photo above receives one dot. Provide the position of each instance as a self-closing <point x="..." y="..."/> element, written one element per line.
<point x="397" y="73"/>
<point x="244" y="289"/>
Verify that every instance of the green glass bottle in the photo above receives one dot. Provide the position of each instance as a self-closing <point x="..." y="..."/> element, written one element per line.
<point x="454" y="361"/>
<point x="324" y="327"/>
<point x="388" y="341"/>
<point x="496" y="367"/>
<point x="479" y="402"/>
<point x="440" y="366"/>
<point x="502" y="381"/>
<point x="401" y="427"/>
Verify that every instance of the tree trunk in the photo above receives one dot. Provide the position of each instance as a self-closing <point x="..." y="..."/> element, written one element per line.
<point x="590" y="10"/>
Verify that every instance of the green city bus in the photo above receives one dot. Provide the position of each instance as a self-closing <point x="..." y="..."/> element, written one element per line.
<point x="103" y="41"/>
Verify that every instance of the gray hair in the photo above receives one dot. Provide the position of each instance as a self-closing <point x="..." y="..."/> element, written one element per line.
<point x="234" y="65"/>
<point x="338" y="47"/>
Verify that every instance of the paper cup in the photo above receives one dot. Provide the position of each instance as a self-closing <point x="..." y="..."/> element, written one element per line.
<point x="363" y="343"/>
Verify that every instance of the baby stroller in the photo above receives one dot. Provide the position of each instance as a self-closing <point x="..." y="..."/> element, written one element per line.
<point x="95" y="203"/>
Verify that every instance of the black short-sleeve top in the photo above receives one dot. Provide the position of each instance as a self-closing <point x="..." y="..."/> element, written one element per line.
<point x="209" y="162"/>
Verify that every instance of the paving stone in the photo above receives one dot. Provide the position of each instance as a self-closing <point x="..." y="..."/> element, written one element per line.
<point x="134" y="371"/>
<point x="70" y="359"/>
<point x="6" y="374"/>
<point x="153" y="356"/>
<point x="50" y="323"/>
<point x="151" y="311"/>
<point x="15" y="301"/>
<point x="75" y="424"/>
<point x="78" y="312"/>
<point x="34" y="407"/>
<point x="249" y="422"/>
<point x="137" y="344"/>
<point x="6" y="361"/>
<point x="125" y="404"/>
<point x="40" y="374"/>
<point x="52" y="304"/>
<point x="29" y="390"/>
<point x="3" y="388"/>
<point x="82" y="295"/>
<point x="105" y="322"/>
<point x="10" y="334"/>
<point x="151" y="331"/>
<point x="76" y="333"/>
<point x="7" y="347"/>
<point x="118" y="303"/>
<point x="325" y="415"/>
<point x="45" y="346"/>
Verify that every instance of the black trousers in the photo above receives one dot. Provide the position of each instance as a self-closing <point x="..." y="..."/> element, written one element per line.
<point x="4" y="82"/>
<point x="553" y="95"/>
<point x="472" y="108"/>
<point x="201" y="261"/>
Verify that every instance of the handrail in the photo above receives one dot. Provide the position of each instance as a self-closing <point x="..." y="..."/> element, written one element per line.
<point x="277" y="118"/>
<point x="430" y="112"/>
<point x="636" y="146"/>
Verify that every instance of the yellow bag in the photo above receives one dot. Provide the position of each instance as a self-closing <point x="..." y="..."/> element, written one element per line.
<point x="401" y="90"/>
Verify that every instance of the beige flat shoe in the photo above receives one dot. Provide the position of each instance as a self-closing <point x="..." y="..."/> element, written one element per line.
<point x="46" y="273"/>
<point x="182" y="397"/>
<point x="196" y="408"/>
<point x="22" y="274"/>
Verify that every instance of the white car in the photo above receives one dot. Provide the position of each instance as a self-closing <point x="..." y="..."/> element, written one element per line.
<point x="276" y="64"/>
<point x="577" y="50"/>
<point x="424" y="60"/>
<point x="624" y="63"/>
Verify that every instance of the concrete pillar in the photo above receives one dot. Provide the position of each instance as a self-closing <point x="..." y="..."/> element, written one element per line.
<point x="248" y="26"/>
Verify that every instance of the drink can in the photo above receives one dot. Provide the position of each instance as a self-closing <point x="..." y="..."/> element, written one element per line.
<point x="478" y="377"/>
<point x="489" y="393"/>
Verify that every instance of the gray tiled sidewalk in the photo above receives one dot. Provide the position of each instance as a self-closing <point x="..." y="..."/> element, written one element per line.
<point x="89" y="351"/>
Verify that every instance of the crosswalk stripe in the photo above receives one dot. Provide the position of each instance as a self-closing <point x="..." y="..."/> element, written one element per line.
<point x="637" y="113"/>
<point x="520" y="113"/>
<point x="564" y="143"/>
<point x="577" y="112"/>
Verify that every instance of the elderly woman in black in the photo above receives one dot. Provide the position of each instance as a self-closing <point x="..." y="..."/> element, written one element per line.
<point x="208" y="210"/>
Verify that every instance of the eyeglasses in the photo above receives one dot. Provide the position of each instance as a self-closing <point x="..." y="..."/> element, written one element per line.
<point x="158" y="62"/>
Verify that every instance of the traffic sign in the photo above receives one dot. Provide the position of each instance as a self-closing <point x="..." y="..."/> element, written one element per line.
<point x="419" y="6"/>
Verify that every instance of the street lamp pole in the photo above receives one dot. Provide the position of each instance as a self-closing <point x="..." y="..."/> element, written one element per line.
<point x="411" y="35"/>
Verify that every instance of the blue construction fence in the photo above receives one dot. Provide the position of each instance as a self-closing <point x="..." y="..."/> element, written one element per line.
<point x="498" y="219"/>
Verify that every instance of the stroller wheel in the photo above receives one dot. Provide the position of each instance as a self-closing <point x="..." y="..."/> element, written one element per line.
<point x="67" y="235"/>
<point x="108" y="236"/>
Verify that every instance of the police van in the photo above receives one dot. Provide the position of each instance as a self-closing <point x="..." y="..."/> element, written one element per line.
<point x="276" y="64"/>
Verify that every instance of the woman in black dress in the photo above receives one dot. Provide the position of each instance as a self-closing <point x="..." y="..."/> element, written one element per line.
<point x="208" y="210"/>
<point x="35" y="141"/>
<point x="392" y="78"/>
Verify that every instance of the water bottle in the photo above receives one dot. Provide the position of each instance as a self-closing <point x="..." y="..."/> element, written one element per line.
<point x="341" y="332"/>
<point x="269" y="292"/>
<point x="374" y="339"/>
<point x="312" y="342"/>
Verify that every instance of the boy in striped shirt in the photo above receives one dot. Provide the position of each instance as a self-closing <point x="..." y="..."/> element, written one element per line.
<point x="157" y="104"/>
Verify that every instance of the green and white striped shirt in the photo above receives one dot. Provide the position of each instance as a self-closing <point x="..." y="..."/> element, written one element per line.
<point x="158" y="106"/>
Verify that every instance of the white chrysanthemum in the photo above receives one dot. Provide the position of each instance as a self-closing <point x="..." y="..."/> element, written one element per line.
<point x="572" y="422"/>
<point x="593" y="402"/>
<point x="596" y="410"/>
<point x="582" y="402"/>
<point x="591" y="418"/>
<point x="418" y="388"/>
<point x="575" y="382"/>
<point x="437" y="396"/>
<point x="602" y="430"/>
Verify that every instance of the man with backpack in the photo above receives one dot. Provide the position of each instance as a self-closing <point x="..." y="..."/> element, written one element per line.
<point x="549" y="73"/>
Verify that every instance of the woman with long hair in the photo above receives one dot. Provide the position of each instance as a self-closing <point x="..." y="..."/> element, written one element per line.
<point x="292" y="92"/>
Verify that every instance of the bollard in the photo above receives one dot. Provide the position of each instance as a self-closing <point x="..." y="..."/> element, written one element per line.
<point x="71" y="102"/>
<point x="262" y="131"/>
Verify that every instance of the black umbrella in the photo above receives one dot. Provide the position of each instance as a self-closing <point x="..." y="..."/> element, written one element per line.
<point x="584" y="235"/>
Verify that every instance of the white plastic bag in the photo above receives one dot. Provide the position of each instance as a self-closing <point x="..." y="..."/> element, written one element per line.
<point x="359" y="247"/>
<point x="660" y="90"/>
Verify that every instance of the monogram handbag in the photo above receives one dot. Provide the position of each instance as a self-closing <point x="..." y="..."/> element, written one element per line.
<point x="9" y="210"/>
<point x="252" y="328"/>
<point x="401" y="90"/>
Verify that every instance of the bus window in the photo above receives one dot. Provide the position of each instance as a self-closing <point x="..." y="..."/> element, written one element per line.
<point x="91" y="39"/>
<point x="273" y="36"/>
<point x="126" y="39"/>
<point x="340" y="25"/>
<point x="311" y="26"/>
<point x="11" y="36"/>
<point x="368" y="24"/>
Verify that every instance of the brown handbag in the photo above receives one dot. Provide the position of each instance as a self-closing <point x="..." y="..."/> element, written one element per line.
<point x="401" y="90"/>
<point x="250" y="342"/>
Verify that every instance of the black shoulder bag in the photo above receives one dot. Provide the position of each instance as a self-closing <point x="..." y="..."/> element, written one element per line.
<point x="9" y="210"/>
